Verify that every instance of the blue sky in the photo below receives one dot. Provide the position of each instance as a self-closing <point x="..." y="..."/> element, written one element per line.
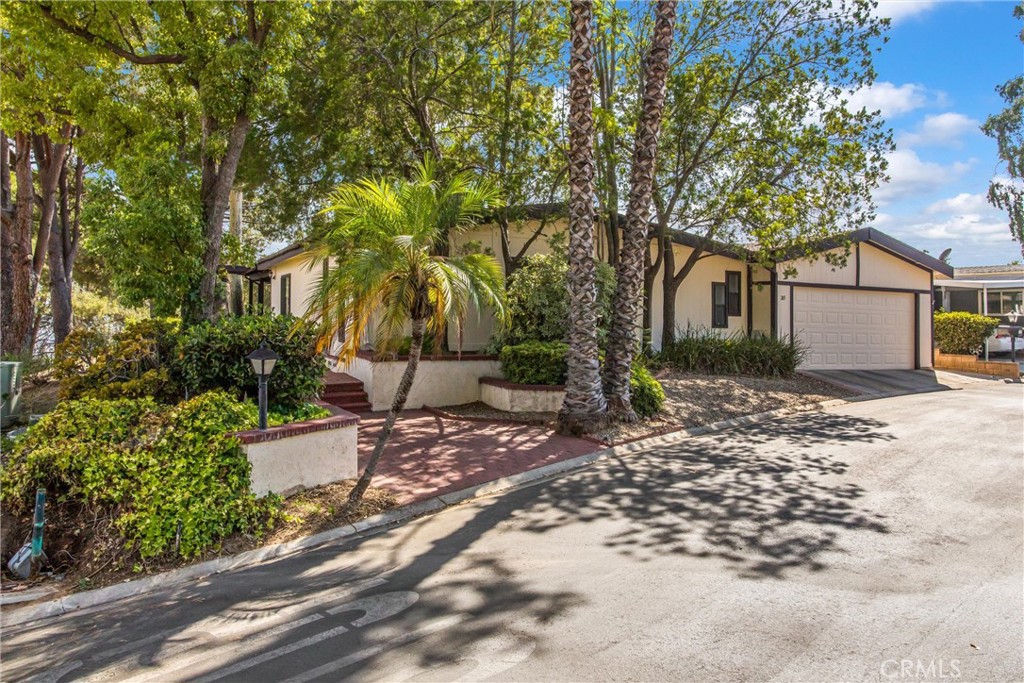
<point x="936" y="84"/>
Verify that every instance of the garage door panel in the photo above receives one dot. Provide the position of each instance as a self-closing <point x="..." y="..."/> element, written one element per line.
<point x="849" y="329"/>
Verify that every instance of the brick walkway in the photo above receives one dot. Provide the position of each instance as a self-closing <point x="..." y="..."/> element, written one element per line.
<point x="427" y="455"/>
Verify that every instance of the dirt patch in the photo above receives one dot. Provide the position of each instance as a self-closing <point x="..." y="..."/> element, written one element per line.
<point x="91" y="554"/>
<point x="690" y="401"/>
<point x="38" y="398"/>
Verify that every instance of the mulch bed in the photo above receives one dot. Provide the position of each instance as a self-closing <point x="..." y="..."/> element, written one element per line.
<point x="690" y="401"/>
<point x="91" y="555"/>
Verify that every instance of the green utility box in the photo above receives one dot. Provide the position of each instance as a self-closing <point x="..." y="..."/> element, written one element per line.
<point x="10" y="392"/>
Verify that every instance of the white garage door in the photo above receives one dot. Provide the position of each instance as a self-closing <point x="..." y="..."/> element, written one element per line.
<point x="850" y="329"/>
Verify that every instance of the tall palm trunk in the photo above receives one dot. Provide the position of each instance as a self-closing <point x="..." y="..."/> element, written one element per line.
<point x="401" y="395"/>
<point x="584" y="406"/>
<point x="624" y="336"/>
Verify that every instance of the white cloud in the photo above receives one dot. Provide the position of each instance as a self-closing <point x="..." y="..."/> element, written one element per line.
<point x="940" y="130"/>
<point x="909" y="176"/>
<point x="897" y="10"/>
<point x="963" y="203"/>
<point x="890" y="99"/>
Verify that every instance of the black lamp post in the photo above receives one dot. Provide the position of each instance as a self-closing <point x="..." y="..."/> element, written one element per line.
<point x="263" y="360"/>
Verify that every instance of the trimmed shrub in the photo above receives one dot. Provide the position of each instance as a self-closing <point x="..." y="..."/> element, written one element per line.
<point x="136" y="362"/>
<point x="702" y="350"/>
<point x="964" y="333"/>
<point x="545" y="363"/>
<point x="645" y="393"/>
<point x="535" y="362"/>
<point x="168" y="477"/>
<point x="214" y="356"/>
<point x="538" y="301"/>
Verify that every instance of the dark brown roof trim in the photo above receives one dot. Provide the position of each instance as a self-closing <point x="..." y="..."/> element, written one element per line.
<point x="292" y="250"/>
<point x="886" y="243"/>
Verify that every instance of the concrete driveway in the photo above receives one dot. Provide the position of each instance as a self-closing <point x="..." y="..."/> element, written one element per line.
<point x="881" y="540"/>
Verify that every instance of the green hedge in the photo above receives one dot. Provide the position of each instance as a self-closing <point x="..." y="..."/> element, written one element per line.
<point x="545" y="363"/>
<point x="535" y="362"/>
<point x="149" y="468"/>
<point x="213" y="356"/>
<point x="702" y="350"/>
<point x="963" y="332"/>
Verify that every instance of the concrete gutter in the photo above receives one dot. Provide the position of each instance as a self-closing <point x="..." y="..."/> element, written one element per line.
<point x="379" y="523"/>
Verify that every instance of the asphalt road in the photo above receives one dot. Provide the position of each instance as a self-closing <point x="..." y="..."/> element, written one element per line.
<point x="879" y="540"/>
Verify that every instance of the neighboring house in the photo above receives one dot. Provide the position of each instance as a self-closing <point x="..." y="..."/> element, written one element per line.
<point x="873" y="313"/>
<point x="994" y="291"/>
<point x="989" y="290"/>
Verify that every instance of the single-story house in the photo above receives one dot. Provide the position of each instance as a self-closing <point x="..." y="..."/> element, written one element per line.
<point x="874" y="313"/>
<point x="995" y="291"/>
<point x="990" y="290"/>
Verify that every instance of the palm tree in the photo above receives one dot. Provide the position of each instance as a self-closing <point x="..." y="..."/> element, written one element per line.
<point x="388" y="271"/>
<point x="584" y="406"/>
<point x="623" y="338"/>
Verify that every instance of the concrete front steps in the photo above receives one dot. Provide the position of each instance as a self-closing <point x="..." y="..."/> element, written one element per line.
<point x="345" y="391"/>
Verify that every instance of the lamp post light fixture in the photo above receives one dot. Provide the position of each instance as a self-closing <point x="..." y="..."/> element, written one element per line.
<point x="263" y="360"/>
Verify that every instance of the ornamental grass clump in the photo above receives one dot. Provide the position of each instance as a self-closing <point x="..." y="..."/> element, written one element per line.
<point x="704" y="351"/>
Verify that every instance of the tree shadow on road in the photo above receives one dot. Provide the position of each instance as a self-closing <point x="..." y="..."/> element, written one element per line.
<point x="767" y="498"/>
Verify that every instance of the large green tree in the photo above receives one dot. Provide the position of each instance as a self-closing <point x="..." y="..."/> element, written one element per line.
<point x="220" y="62"/>
<point x="759" y="147"/>
<point x="1007" y="129"/>
<point x="388" y="275"/>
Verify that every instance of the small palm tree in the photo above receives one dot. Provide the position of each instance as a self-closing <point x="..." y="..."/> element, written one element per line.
<point x="385" y="240"/>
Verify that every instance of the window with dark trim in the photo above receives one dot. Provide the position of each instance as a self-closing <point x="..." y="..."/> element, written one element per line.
<point x="732" y="294"/>
<point x="719" y="309"/>
<point x="286" y="294"/>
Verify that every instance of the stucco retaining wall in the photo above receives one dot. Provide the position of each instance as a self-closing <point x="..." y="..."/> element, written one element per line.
<point x="445" y="381"/>
<point x="301" y="455"/>
<point x="521" y="398"/>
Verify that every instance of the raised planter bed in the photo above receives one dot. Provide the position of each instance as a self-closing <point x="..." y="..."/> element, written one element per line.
<point x="969" y="363"/>
<point x="440" y="380"/>
<point x="521" y="398"/>
<point x="301" y="455"/>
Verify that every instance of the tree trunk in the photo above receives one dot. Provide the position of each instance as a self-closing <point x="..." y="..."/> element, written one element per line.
<point x="235" y="228"/>
<point x="584" y="406"/>
<point x="19" y="281"/>
<point x="415" y="348"/>
<point x="63" y="247"/>
<point x="623" y="339"/>
<point x="7" y="216"/>
<point x="671" y="281"/>
<point x="215" y="188"/>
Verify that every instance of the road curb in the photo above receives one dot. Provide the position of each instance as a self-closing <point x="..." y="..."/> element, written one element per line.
<point x="178" y="577"/>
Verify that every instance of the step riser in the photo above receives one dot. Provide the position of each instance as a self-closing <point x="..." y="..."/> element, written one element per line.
<point x="364" y="407"/>
<point x="357" y="396"/>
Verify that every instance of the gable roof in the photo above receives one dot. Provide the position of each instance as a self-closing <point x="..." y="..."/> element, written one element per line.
<point x="890" y="244"/>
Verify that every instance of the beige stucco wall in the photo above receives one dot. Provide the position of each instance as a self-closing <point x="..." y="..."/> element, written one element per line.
<point x="294" y="463"/>
<point x="924" y="313"/>
<point x="820" y="270"/>
<point x="521" y="400"/>
<point x="693" y="300"/>
<point x="305" y="276"/>
<point x="879" y="268"/>
<point x="761" y="300"/>
<point x="437" y="383"/>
